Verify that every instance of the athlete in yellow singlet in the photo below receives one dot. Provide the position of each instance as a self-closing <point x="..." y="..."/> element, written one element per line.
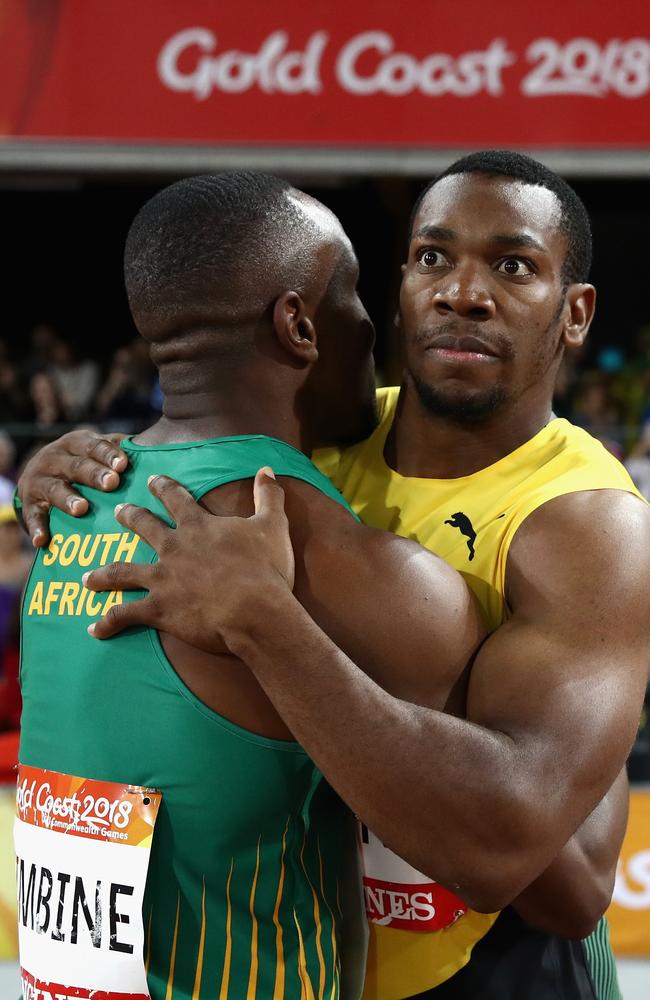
<point x="470" y="521"/>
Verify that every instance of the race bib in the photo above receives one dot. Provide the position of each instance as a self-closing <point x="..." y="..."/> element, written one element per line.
<point x="82" y="854"/>
<point x="396" y="895"/>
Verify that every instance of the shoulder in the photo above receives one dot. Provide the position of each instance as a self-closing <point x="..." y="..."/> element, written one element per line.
<point x="589" y="542"/>
<point x="603" y="516"/>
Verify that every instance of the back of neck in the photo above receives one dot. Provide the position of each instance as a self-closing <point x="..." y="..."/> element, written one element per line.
<point x="201" y="416"/>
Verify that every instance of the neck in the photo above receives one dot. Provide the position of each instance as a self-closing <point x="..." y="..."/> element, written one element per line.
<point x="255" y="408"/>
<point x="426" y="446"/>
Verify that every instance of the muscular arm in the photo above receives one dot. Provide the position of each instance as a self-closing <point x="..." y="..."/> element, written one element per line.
<point x="553" y="705"/>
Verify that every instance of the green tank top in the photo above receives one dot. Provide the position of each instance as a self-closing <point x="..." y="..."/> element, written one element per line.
<point x="242" y="896"/>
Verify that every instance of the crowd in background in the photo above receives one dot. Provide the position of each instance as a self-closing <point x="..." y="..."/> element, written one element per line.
<point x="610" y="398"/>
<point x="49" y="385"/>
<point x="46" y="386"/>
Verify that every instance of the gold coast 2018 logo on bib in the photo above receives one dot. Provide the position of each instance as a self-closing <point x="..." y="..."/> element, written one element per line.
<point x="82" y="855"/>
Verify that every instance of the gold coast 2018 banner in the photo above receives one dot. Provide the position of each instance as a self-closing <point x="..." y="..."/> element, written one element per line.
<point x="335" y="74"/>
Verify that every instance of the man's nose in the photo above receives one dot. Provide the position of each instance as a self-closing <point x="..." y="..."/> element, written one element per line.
<point x="466" y="293"/>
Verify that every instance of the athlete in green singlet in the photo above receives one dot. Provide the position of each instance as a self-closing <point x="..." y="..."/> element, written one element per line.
<point x="246" y="291"/>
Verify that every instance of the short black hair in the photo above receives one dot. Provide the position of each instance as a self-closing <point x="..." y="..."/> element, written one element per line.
<point x="193" y="241"/>
<point x="574" y="220"/>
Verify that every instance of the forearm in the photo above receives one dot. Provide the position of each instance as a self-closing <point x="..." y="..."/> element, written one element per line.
<point x="576" y="889"/>
<point x="439" y="791"/>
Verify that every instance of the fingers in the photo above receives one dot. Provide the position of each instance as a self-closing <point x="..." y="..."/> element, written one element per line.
<point x="268" y="495"/>
<point x="120" y="576"/>
<point x="142" y="522"/>
<point x="93" y="459"/>
<point x="60" y="494"/>
<point x="37" y="523"/>
<point x="107" y="452"/>
<point x="178" y="502"/>
<point x="122" y="616"/>
<point x="89" y="472"/>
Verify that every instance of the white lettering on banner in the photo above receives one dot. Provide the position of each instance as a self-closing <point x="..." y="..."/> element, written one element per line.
<point x="272" y="68"/>
<point x="370" y="63"/>
<point x="584" y="67"/>
<point x="635" y="896"/>
<point x="399" y="73"/>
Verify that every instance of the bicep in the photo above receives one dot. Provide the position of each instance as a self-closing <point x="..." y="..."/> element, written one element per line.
<point x="564" y="677"/>
<point x="570" y="709"/>
<point x="403" y="616"/>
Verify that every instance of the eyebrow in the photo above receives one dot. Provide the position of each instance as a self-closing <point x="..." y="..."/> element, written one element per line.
<point x="518" y="240"/>
<point x="501" y="239"/>
<point x="435" y="233"/>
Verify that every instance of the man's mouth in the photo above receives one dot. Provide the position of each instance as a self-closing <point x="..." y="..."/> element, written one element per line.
<point x="462" y="350"/>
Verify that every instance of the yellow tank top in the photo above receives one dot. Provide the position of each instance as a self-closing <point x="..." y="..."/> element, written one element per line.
<point x="470" y="522"/>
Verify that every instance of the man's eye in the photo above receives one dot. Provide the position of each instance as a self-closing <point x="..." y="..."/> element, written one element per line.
<point x="431" y="258"/>
<point x="516" y="267"/>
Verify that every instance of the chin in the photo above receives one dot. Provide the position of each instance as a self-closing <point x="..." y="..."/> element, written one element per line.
<point x="461" y="405"/>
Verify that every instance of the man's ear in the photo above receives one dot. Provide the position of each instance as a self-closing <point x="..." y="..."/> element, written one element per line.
<point x="581" y="302"/>
<point x="294" y="329"/>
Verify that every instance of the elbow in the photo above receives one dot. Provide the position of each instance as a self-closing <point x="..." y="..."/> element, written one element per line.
<point x="579" y="927"/>
<point x="578" y="919"/>
<point x="498" y="876"/>
<point x="490" y="887"/>
<point x="485" y="898"/>
<point x="568" y="920"/>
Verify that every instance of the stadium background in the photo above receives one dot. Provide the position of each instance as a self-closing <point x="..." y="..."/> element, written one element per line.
<point x="101" y="104"/>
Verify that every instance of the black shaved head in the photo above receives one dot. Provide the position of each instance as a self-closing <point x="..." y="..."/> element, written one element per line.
<point x="574" y="220"/>
<point x="219" y="246"/>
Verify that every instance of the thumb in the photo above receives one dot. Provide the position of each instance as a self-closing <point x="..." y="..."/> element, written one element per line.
<point x="268" y="495"/>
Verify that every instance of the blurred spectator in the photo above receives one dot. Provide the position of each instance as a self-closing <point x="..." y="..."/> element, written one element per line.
<point x="7" y="462"/>
<point x="15" y="563"/>
<point x="596" y="411"/>
<point x="15" y="560"/>
<point x="126" y="396"/>
<point x="41" y="344"/>
<point x="44" y="400"/>
<point x="75" y="381"/>
<point x="13" y="400"/>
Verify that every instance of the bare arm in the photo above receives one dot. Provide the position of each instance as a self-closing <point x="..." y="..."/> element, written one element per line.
<point x="575" y="890"/>
<point x="553" y="700"/>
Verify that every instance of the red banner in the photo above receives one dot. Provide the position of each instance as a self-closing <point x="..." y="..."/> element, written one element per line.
<point x="427" y="74"/>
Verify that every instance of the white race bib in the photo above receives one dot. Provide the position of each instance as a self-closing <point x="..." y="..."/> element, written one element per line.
<point x="82" y="854"/>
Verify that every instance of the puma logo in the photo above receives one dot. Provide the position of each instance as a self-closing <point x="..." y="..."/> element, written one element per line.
<point x="464" y="525"/>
